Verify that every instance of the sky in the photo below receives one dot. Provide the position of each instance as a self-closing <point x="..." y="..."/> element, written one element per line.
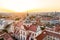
<point x="23" y="5"/>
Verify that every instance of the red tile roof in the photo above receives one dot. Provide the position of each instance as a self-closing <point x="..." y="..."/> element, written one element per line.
<point x="56" y="18"/>
<point x="33" y="28"/>
<point x="19" y="24"/>
<point x="46" y="18"/>
<point x="57" y="27"/>
<point x="53" y="34"/>
<point x="6" y="36"/>
<point x="42" y="35"/>
<point x="27" y="28"/>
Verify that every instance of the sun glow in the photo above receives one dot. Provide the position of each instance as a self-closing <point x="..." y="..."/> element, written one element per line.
<point x="23" y="5"/>
<point x="19" y="5"/>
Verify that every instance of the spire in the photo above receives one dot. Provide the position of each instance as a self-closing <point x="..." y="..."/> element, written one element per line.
<point x="27" y="13"/>
<point x="55" y="12"/>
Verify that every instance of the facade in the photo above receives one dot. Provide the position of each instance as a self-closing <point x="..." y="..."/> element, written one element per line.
<point x="26" y="32"/>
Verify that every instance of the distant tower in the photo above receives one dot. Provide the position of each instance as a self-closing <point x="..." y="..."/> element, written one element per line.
<point x="55" y="13"/>
<point x="27" y="13"/>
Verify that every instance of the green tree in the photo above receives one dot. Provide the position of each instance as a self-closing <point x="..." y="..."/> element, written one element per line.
<point x="42" y="28"/>
<point x="17" y="19"/>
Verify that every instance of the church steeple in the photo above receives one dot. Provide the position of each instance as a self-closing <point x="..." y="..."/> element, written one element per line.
<point x="27" y="14"/>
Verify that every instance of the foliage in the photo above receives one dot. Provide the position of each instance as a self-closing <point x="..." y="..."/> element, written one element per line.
<point x="42" y="28"/>
<point x="5" y="30"/>
<point x="17" y="19"/>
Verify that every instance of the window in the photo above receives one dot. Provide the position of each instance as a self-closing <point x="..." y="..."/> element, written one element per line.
<point x="32" y="39"/>
<point x="35" y="34"/>
<point x="53" y="39"/>
<point x="23" y="33"/>
<point x="23" y="38"/>
<point x="20" y="37"/>
<point x="49" y="38"/>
